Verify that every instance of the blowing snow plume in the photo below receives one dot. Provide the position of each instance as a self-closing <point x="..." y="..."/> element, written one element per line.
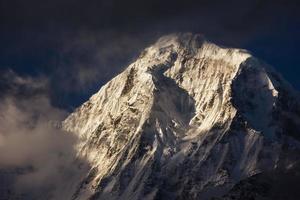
<point x="36" y="156"/>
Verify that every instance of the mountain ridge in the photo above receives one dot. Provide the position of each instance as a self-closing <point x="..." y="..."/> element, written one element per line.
<point x="187" y="120"/>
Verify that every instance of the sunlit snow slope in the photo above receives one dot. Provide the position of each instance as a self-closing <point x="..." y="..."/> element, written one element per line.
<point x="187" y="120"/>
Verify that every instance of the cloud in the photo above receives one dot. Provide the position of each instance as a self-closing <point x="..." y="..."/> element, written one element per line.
<point x="88" y="59"/>
<point x="39" y="156"/>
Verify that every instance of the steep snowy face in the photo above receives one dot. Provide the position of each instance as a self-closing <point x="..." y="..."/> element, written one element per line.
<point x="187" y="119"/>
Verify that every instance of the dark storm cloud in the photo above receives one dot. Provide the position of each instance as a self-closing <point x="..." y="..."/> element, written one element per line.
<point x="129" y="15"/>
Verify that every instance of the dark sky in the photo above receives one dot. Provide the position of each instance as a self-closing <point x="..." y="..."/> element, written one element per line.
<point x="79" y="45"/>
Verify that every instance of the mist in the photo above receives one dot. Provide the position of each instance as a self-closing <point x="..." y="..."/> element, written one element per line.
<point x="36" y="156"/>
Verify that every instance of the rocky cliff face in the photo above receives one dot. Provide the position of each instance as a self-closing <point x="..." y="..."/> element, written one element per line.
<point x="187" y="120"/>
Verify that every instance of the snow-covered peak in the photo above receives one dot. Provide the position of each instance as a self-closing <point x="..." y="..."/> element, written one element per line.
<point x="187" y="119"/>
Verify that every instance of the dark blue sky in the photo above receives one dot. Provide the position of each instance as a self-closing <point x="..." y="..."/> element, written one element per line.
<point x="80" y="45"/>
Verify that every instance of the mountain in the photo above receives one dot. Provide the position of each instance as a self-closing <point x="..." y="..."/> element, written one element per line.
<point x="187" y="120"/>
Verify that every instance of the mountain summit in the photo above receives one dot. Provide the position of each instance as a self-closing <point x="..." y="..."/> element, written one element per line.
<point x="187" y="120"/>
